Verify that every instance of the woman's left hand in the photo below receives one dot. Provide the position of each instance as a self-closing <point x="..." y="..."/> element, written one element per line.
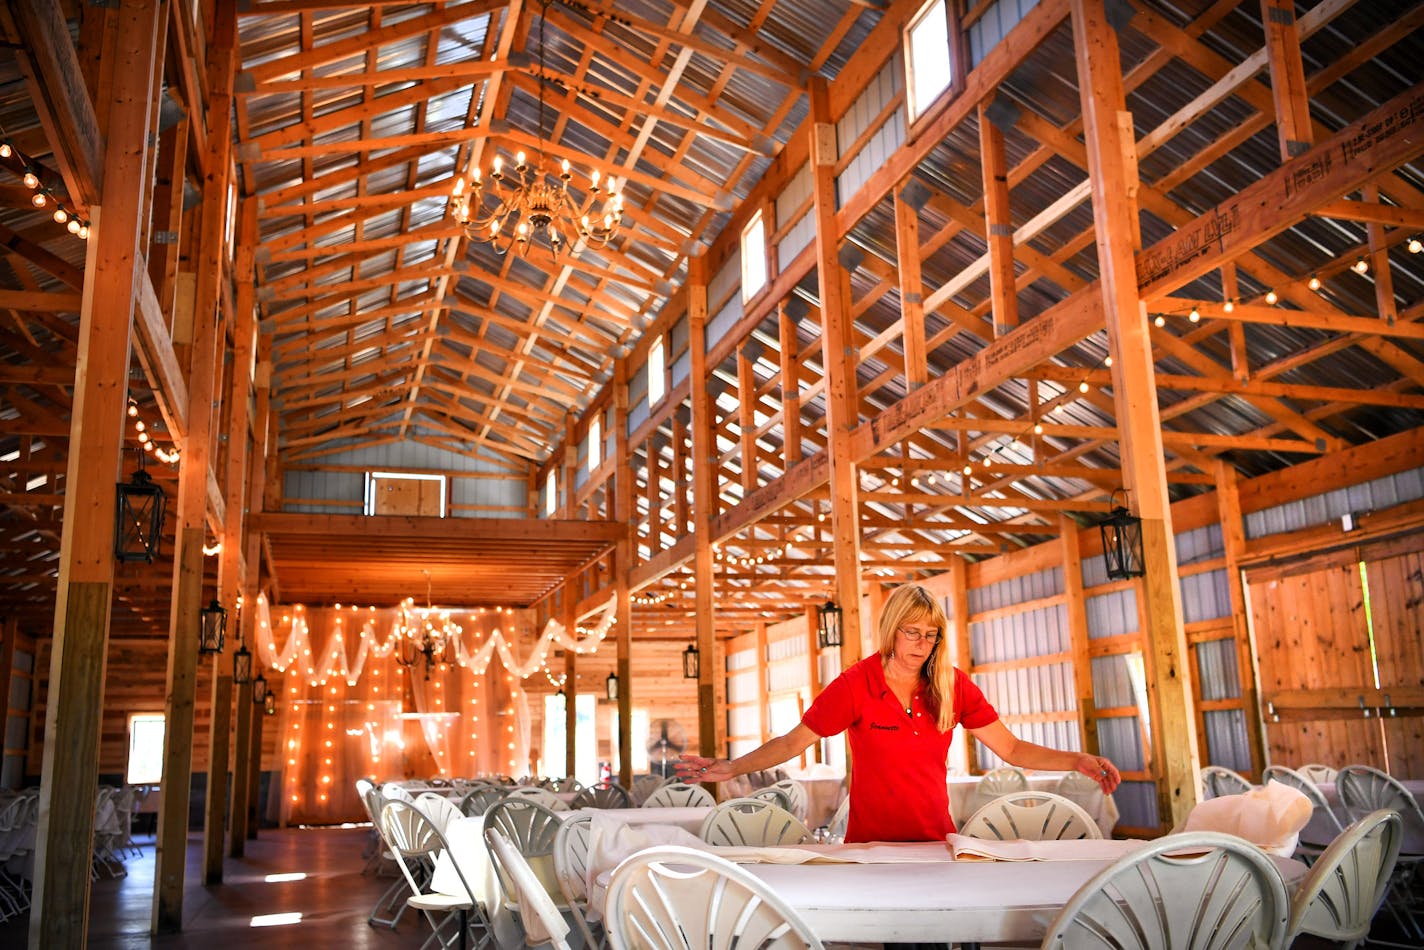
<point x="1100" y="770"/>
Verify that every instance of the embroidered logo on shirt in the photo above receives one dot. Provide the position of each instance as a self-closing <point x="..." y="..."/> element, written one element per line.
<point x="876" y="725"/>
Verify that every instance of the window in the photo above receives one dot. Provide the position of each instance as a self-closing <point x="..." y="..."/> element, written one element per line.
<point x="753" y="257"/>
<point x="640" y="739"/>
<point x="657" y="372"/>
<point x="145" y="749"/>
<point x="595" y="443"/>
<point x="404" y="493"/>
<point x="551" y="494"/>
<point x="585" y="740"/>
<point x="927" y="66"/>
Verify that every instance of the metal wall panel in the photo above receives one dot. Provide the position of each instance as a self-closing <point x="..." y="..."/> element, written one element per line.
<point x="1217" y="671"/>
<point x="1332" y="506"/>
<point x="724" y="320"/>
<point x="1016" y="590"/>
<point x="803" y="231"/>
<point x="861" y="116"/>
<point x="1137" y="804"/>
<point x="1226" y="739"/>
<point x="1120" y="739"/>
<point x="1112" y="686"/>
<point x="504" y="493"/>
<point x="1200" y="544"/>
<point x="1111" y="614"/>
<point x="727" y="281"/>
<point x="1019" y="636"/>
<point x="994" y="25"/>
<point x="1205" y="596"/>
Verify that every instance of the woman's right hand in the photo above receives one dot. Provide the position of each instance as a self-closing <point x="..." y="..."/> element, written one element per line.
<point x="699" y="768"/>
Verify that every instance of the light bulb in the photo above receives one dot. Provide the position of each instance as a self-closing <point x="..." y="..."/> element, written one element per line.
<point x="1228" y="306"/>
<point x="60" y="216"/>
<point x="1159" y="321"/>
<point x="1038" y="428"/>
<point x="5" y="150"/>
<point x="1195" y="315"/>
<point x="73" y="226"/>
<point x="1271" y="297"/>
<point x="969" y="470"/>
<point x="1083" y="386"/>
<point x="83" y="232"/>
<point x="1107" y="361"/>
<point x="1313" y="283"/>
<point x="31" y="180"/>
<point x="1361" y="266"/>
<point x="38" y="199"/>
<point x="1415" y="245"/>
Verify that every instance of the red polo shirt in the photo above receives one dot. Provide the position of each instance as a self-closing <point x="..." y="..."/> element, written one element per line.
<point x="897" y="789"/>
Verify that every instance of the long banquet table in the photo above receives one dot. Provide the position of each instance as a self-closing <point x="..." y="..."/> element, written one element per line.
<point x="926" y="897"/>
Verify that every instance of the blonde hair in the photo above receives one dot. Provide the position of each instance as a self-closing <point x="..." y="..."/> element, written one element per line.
<point x="911" y="603"/>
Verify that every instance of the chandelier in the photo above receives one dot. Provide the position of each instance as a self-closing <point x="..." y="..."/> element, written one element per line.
<point x="423" y="633"/>
<point x="514" y="208"/>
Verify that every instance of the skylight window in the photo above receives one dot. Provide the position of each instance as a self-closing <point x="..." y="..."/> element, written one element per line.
<point x="595" y="443"/>
<point x="928" y="71"/>
<point x="551" y="494"/>
<point x="657" y="372"/>
<point x="753" y="257"/>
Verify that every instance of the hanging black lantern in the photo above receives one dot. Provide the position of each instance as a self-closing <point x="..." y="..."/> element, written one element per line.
<point x="242" y="665"/>
<point x="212" y="628"/>
<point x="269" y="705"/>
<point x="610" y="687"/>
<point x="691" y="662"/>
<point x="1122" y="542"/>
<point x="828" y="625"/>
<point x="138" y="517"/>
<point x="259" y="690"/>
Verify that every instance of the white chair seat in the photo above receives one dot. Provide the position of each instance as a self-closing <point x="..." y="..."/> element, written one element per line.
<point x="438" y="902"/>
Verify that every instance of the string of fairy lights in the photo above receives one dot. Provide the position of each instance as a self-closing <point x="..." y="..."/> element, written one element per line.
<point x="142" y="430"/>
<point x="43" y="196"/>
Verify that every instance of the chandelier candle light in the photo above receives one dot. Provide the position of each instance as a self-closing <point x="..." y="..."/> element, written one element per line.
<point x="515" y="207"/>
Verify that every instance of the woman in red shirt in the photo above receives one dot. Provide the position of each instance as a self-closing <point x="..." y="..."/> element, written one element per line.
<point x="899" y="707"/>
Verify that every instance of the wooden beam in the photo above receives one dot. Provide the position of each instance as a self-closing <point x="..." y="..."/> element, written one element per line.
<point x="1292" y="100"/>
<point x="74" y="708"/>
<point x="532" y="530"/>
<point x="704" y="502"/>
<point x="998" y="225"/>
<point x="1375" y="143"/>
<point x="1112" y="167"/>
<point x="839" y="358"/>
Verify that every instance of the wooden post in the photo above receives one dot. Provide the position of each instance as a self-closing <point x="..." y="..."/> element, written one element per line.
<point x="208" y="300"/>
<point x="704" y="502"/>
<point x="570" y="685"/>
<point x="840" y="361"/>
<point x="1288" y="89"/>
<point x="59" y="912"/>
<point x="1112" y="170"/>
<point x="623" y="563"/>
<point x="763" y="709"/>
<point x="999" y="223"/>
<point x="958" y="636"/>
<point x="1233" y="538"/>
<point x="912" y="287"/>
<point x="1076" y="609"/>
<point x="232" y="570"/>
<point x="252" y="542"/>
<point x="790" y="388"/>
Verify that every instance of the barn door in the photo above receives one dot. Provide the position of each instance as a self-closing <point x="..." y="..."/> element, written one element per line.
<point x="1338" y="656"/>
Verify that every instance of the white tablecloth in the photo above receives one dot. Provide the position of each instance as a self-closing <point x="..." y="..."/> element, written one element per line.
<point x="1101" y="807"/>
<point x="1413" y="841"/>
<point x="940" y="900"/>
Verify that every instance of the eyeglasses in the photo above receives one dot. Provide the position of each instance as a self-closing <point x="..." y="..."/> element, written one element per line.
<point x="929" y="636"/>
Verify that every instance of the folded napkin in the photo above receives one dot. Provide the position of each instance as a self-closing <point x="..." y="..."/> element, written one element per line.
<point x="965" y="848"/>
<point x="1270" y="817"/>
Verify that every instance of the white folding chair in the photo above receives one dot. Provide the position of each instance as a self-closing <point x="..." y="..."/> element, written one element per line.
<point x="679" y="795"/>
<point x="478" y="800"/>
<point x="1031" y="816"/>
<point x="1318" y="773"/>
<point x="1348" y="882"/>
<point x="571" y="869"/>
<point x="535" y="793"/>
<point x="994" y="783"/>
<point x="1363" y="789"/>
<point x="541" y="919"/>
<point x="659" y="895"/>
<point x="1202" y="890"/>
<point x="416" y="842"/>
<point x="752" y="821"/>
<point x="795" y="796"/>
<point x="645" y="785"/>
<point x="438" y="809"/>
<point x="602" y="795"/>
<point x="531" y="828"/>
<point x="1217" y="780"/>
<point x="836" y="827"/>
